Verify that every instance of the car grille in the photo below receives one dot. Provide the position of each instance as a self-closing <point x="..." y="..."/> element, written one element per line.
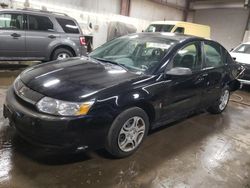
<point x="25" y="93"/>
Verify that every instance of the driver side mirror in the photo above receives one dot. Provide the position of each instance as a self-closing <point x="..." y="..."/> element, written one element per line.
<point x="179" y="71"/>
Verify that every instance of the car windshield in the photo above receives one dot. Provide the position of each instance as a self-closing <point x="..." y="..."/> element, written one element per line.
<point x="136" y="53"/>
<point x="159" y="28"/>
<point x="244" y="48"/>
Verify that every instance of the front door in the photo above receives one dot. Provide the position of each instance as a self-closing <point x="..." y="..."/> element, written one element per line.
<point x="182" y="94"/>
<point x="12" y="36"/>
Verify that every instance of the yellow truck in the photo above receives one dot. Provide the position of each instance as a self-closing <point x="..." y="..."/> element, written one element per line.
<point x="186" y="28"/>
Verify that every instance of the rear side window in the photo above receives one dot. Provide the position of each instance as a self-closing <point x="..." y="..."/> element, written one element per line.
<point x="11" y="21"/>
<point x="39" y="23"/>
<point x="213" y="57"/>
<point x="159" y="28"/>
<point x="180" y="30"/>
<point x="68" y="26"/>
<point x="227" y="59"/>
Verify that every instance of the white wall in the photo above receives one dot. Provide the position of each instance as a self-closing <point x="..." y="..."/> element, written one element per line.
<point x="227" y="25"/>
<point x="96" y="6"/>
<point x="148" y="10"/>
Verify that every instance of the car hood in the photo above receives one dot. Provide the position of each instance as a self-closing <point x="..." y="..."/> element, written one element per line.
<point x="74" y="79"/>
<point x="241" y="57"/>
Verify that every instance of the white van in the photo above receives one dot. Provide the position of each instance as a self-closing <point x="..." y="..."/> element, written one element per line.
<point x="180" y="27"/>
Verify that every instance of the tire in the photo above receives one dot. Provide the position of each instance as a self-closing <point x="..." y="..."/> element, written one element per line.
<point x="121" y="132"/>
<point x="61" y="52"/>
<point x="221" y="104"/>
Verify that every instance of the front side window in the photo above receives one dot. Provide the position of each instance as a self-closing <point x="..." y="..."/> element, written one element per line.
<point x="159" y="28"/>
<point x="68" y="26"/>
<point x="39" y="23"/>
<point x="137" y="53"/>
<point x="188" y="57"/>
<point x="11" y="21"/>
<point x="213" y="57"/>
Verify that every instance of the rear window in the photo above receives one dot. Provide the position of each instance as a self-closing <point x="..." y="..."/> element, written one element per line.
<point x="68" y="26"/>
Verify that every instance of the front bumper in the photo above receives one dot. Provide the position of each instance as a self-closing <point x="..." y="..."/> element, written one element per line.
<point x="71" y="133"/>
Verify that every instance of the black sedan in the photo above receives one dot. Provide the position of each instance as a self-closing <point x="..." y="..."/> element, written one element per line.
<point x="126" y="87"/>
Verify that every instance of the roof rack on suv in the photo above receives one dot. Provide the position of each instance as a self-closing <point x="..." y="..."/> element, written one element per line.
<point x="45" y="11"/>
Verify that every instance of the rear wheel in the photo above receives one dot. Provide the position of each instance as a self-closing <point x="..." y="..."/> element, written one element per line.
<point x="61" y="53"/>
<point x="127" y="132"/>
<point x="221" y="104"/>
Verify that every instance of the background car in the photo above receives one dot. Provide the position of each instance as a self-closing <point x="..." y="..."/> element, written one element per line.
<point x="180" y="27"/>
<point x="241" y="54"/>
<point x="126" y="87"/>
<point x="39" y="35"/>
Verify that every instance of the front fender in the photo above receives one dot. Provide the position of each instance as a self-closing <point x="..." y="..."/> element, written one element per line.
<point x="111" y="107"/>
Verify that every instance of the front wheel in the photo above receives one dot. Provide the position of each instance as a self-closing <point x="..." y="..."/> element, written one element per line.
<point x="221" y="104"/>
<point x="127" y="132"/>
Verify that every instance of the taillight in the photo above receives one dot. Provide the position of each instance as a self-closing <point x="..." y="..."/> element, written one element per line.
<point x="82" y="41"/>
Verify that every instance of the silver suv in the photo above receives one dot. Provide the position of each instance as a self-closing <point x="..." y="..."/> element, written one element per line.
<point x="39" y="35"/>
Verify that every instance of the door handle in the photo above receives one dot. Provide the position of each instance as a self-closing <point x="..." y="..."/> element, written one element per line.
<point x="15" y="35"/>
<point x="202" y="77"/>
<point x="52" y="36"/>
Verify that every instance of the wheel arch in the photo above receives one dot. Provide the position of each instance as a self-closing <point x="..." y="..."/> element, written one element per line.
<point x="144" y="105"/>
<point x="62" y="46"/>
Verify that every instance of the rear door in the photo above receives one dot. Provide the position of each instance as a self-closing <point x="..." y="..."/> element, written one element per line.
<point x="214" y="69"/>
<point x="182" y="94"/>
<point x="39" y="35"/>
<point x="12" y="36"/>
<point x="72" y="33"/>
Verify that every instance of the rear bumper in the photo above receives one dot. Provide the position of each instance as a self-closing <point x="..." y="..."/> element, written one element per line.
<point x="64" y="133"/>
<point x="245" y="77"/>
<point x="245" y="82"/>
<point x="82" y="51"/>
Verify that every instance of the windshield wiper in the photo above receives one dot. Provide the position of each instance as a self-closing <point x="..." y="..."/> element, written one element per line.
<point x="111" y="62"/>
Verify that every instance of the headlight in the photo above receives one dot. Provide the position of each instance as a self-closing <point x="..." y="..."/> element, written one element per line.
<point x="64" y="108"/>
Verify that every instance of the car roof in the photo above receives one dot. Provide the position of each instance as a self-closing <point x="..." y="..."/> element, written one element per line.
<point x="171" y="36"/>
<point x="36" y="11"/>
